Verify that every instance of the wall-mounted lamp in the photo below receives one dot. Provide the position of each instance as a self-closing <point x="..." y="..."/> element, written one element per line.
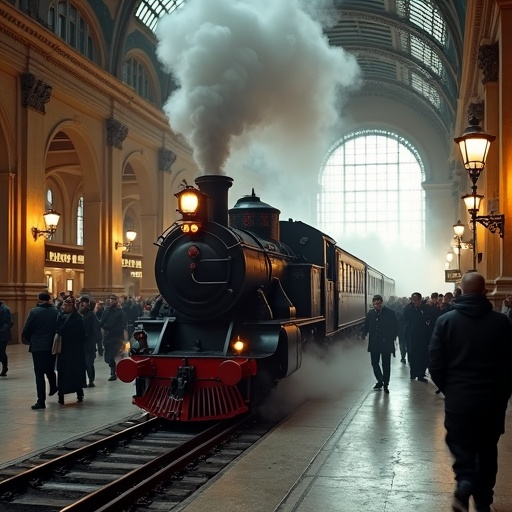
<point x="474" y="146"/>
<point x="131" y="235"/>
<point x="51" y="219"/>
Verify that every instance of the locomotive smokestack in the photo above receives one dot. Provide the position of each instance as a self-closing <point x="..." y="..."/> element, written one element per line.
<point x="216" y="187"/>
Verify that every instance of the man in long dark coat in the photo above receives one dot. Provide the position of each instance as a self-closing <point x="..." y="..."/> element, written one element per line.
<point x="382" y="325"/>
<point x="419" y="319"/>
<point x="71" y="360"/>
<point x="38" y="333"/>
<point x="471" y="363"/>
<point x="113" y="322"/>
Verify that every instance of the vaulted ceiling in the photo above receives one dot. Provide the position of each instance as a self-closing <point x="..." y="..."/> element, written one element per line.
<point x="408" y="50"/>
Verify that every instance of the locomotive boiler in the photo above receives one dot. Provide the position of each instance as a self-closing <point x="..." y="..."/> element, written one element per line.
<point x="248" y="292"/>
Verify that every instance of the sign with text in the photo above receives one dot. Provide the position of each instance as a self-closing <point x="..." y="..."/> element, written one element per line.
<point x="452" y="276"/>
<point x="63" y="257"/>
<point x="130" y="261"/>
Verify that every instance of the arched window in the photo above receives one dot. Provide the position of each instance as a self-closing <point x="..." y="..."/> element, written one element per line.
<point x="49" y="198"/>
<point x="80" y="222"/>
<point x="66" y="21"/>
<point x="371" y="184"/>
<point x="135" y="74"/>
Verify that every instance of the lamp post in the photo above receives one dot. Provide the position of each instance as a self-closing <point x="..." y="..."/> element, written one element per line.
<point x="449" y="257"/>
<point x="474" y="146"/>
<point x="458" y="229"/>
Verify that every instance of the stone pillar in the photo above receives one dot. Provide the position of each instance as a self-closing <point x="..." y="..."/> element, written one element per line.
<point x="7" y="210"/>
<point x="94" y="249"/>
<point x="27" y="255"/>
<point x="504" y="279"/>
<point x="150" y="233"/>
<point x="108" y="218"/>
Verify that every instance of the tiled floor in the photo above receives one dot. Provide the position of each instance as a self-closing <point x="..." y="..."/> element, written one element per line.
<point x="25" y="431"/>
<point x="348" y="449"/>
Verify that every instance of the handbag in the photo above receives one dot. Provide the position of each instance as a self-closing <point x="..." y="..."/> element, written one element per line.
<point x="57" y="344"/>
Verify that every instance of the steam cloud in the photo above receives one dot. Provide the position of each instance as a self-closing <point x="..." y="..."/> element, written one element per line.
<point x="257" y="68"/>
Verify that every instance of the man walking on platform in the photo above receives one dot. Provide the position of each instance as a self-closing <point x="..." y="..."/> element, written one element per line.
<point x="38" y="333"/>
<point x="471" y="363"/>
<point x="113" y="322"/>
<point x="382" y="324"/>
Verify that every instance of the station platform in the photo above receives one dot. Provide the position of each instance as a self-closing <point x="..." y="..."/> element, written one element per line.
<point x="346" y="448"/>
<point x="25" y="431"/>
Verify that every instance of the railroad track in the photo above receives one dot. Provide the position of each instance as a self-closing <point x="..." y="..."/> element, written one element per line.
<point x="141" y="465"/>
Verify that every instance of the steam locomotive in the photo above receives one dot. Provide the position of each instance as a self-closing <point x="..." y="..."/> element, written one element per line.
<point x="248" y="296"/>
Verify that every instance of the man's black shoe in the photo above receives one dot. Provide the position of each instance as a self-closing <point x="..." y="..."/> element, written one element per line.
<point x="386" y="390"/>
<point x="3" y="374"/>
<point x="378" y="385"/>
<point x="38" y="405"/>
<point x="461" y="496"/>
<point x="482" y="508"/>
<point x="422" y="379"/>
<point x="112" y="378"/>
<point x="403" y="360"/>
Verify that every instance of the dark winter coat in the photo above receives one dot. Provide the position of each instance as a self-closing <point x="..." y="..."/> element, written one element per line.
<point x="5" y="323"/>
<point x="419" y="323"/>
<point x="113" y="323"/>
<point x="383" y="330"/>
<point x="71" y="360"/>
<point x="39" y="328"/>
<point x="92" y="332"/>
<point x="471" y="356"/>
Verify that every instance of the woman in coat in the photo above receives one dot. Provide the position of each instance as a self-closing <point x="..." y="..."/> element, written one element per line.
<point x="71" y="360"/>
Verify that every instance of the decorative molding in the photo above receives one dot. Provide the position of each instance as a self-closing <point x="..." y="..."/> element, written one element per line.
<point x="165" y="159"/>
<point x="488" y="62"/>
<point x="116" y="133"/>
<point x="34" y="92"/>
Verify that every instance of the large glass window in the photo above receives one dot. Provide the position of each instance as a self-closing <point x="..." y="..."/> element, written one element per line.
<point x="80" y="222"/>
<point x="66" y="21"/>
<point x="149" y="11"/>
<point x="135" y="74"/>
<point x="371" y="184"/>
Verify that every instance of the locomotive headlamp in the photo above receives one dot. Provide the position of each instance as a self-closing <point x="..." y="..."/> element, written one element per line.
<point x="192" y="206"/>
<point x="238" y="345"/>
<point x="188" y="201"/>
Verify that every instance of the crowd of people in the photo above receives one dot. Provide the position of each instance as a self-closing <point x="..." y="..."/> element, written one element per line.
<point x="65" y="334"/>
<point x="465" y="346"/>
<point x="457" y="339"/>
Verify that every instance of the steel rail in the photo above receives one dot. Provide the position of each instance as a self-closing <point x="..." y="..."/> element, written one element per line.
<point x="114" y="497"/>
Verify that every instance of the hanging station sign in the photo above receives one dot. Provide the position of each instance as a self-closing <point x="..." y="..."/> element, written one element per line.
<point x="452" y="276"/>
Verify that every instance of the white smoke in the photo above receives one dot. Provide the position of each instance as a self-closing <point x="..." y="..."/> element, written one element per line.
<point x="257" y="80"/>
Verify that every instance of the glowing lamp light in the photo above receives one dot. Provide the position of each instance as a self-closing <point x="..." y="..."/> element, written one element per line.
<point x="188" y="201"/>
<point x="458" y="229"/>
<point x="474" y="146"/>
<point x="131" y="235"/>
<point x="472" y="202"/>
<point x="51" y="219"/>
<point x="238" y="345"/>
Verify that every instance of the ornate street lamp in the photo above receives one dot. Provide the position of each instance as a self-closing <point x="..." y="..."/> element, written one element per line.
<point x="474" y="147"/>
